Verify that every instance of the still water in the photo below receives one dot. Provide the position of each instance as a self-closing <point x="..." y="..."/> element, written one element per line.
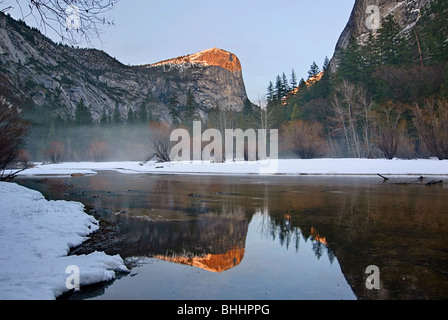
<point x="277" y="237"/>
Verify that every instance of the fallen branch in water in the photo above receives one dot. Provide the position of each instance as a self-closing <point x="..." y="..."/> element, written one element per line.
<point x="420" y="181"/>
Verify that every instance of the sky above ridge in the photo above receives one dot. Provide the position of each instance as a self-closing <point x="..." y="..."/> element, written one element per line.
<point x="269" y="37"/>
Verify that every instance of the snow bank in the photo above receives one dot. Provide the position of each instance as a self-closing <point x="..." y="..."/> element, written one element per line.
<point x="309" y="167"/>
<point x="69" y="168"/>
<point x="36" y="236"/>
<point x="283" y="166"/>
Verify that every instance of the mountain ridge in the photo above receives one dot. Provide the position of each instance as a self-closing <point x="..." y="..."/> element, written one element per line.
<point x="55" y="77"/>
<point x="208" y="57"/>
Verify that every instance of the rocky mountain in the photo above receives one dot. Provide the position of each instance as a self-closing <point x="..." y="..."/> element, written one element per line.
<point x="406" y="13"/>
<point x="55" y="77"/>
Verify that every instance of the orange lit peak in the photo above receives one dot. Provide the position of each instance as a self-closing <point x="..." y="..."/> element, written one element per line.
<point x="209" y="57"/>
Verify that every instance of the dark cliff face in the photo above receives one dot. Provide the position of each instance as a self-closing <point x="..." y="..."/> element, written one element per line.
<point x="54" y="78"/>
<point x="405" y="12"/>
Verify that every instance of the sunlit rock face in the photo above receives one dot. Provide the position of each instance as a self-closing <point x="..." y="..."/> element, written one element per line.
<point x="209" y="57"/>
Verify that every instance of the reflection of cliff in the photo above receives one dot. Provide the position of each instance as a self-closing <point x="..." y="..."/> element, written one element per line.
<point x="192" y="238"/>
<point x="211" y="262"/>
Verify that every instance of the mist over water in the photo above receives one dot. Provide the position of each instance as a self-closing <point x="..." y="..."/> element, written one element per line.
<point x="90" y="142"/>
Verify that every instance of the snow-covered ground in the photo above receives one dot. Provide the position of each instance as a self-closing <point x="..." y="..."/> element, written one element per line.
<point x="282" y="166"/>
<point x="35" y="237"/>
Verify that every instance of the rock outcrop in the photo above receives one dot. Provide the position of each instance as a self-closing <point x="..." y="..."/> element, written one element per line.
<point x="406" y="13"/>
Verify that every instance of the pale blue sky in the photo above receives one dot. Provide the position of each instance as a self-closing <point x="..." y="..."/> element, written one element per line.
<point x="269" y="37"/>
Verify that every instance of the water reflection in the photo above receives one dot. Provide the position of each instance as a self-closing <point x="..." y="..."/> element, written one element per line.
<point x="227" y="225"/>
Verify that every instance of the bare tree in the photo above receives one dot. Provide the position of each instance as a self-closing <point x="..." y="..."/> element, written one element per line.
<point x="366" y="105"/>
<point x="431" y="121"/>
<point x="98" y="150"/>
<point x="72" y="20"/>
<point x="305" y="139"/>
<point x="352" y="115"/>
<point x="55" y="153"/>
<point x="390" y="127"/>
<point x="13" y="130"/>
<point x="339" y="119"/>
<point x="269" y="115"/>
<point x="160" y="141"/>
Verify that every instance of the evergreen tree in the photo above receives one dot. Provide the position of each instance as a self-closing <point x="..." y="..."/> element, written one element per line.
<point x="349" y="65"/>
<point x="271" y="92"/>
<point x="190" y="113"/>
<point x="116" y="117"/>
<point x="293" y="79"/>
<point x="279" y="88"/>
<point x="82" y="114"/>
<point x="131" y="116"/>
<point x="285" y="84"/>
<point x="174" y="109"/>
<point x="314" y="70"/>
<point x="326" y="64"/>
<point x="104" y="118"/>
<point x="432" y="31"/>
<point x="143" y="113"/>
<point x="247" y="107"/>
<point x="391" y="44"/>
<point x="246" y="118"/>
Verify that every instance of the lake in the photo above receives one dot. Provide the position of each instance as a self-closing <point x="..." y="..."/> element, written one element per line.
<point x="266" y="237"/>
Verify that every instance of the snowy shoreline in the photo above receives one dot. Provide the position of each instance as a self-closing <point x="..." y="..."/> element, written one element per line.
<point x="396" y="167"/>
<point x="36" y="237"/>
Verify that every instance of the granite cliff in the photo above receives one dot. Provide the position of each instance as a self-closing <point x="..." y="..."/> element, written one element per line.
<point x="406" y="13"/>
<point x="53" y="78"/>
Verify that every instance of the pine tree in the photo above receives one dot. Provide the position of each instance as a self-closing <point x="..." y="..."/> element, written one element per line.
<point x="131" y="116"/>
<point x="326" y="64"/>
<point x="104" y="118"/>
<point x="432" y="30"/>
<point x="349" y="65"/>
<point x="247" y="108"/>
<point x="285" y="84"/>
<point x="82" y="114"/>
<point x="116" y="117"/>
<point x="278" y="88"/>
<point x="271" y="92"/>
<point x="293" y="79"/>
<point x="142" y="113"/>
<point x="391" y="44"/>
<point x="190" y="113"/>
<point x="246" y="116"/>
<point x="174" y="109"/>
<point x="314" y="70"/>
